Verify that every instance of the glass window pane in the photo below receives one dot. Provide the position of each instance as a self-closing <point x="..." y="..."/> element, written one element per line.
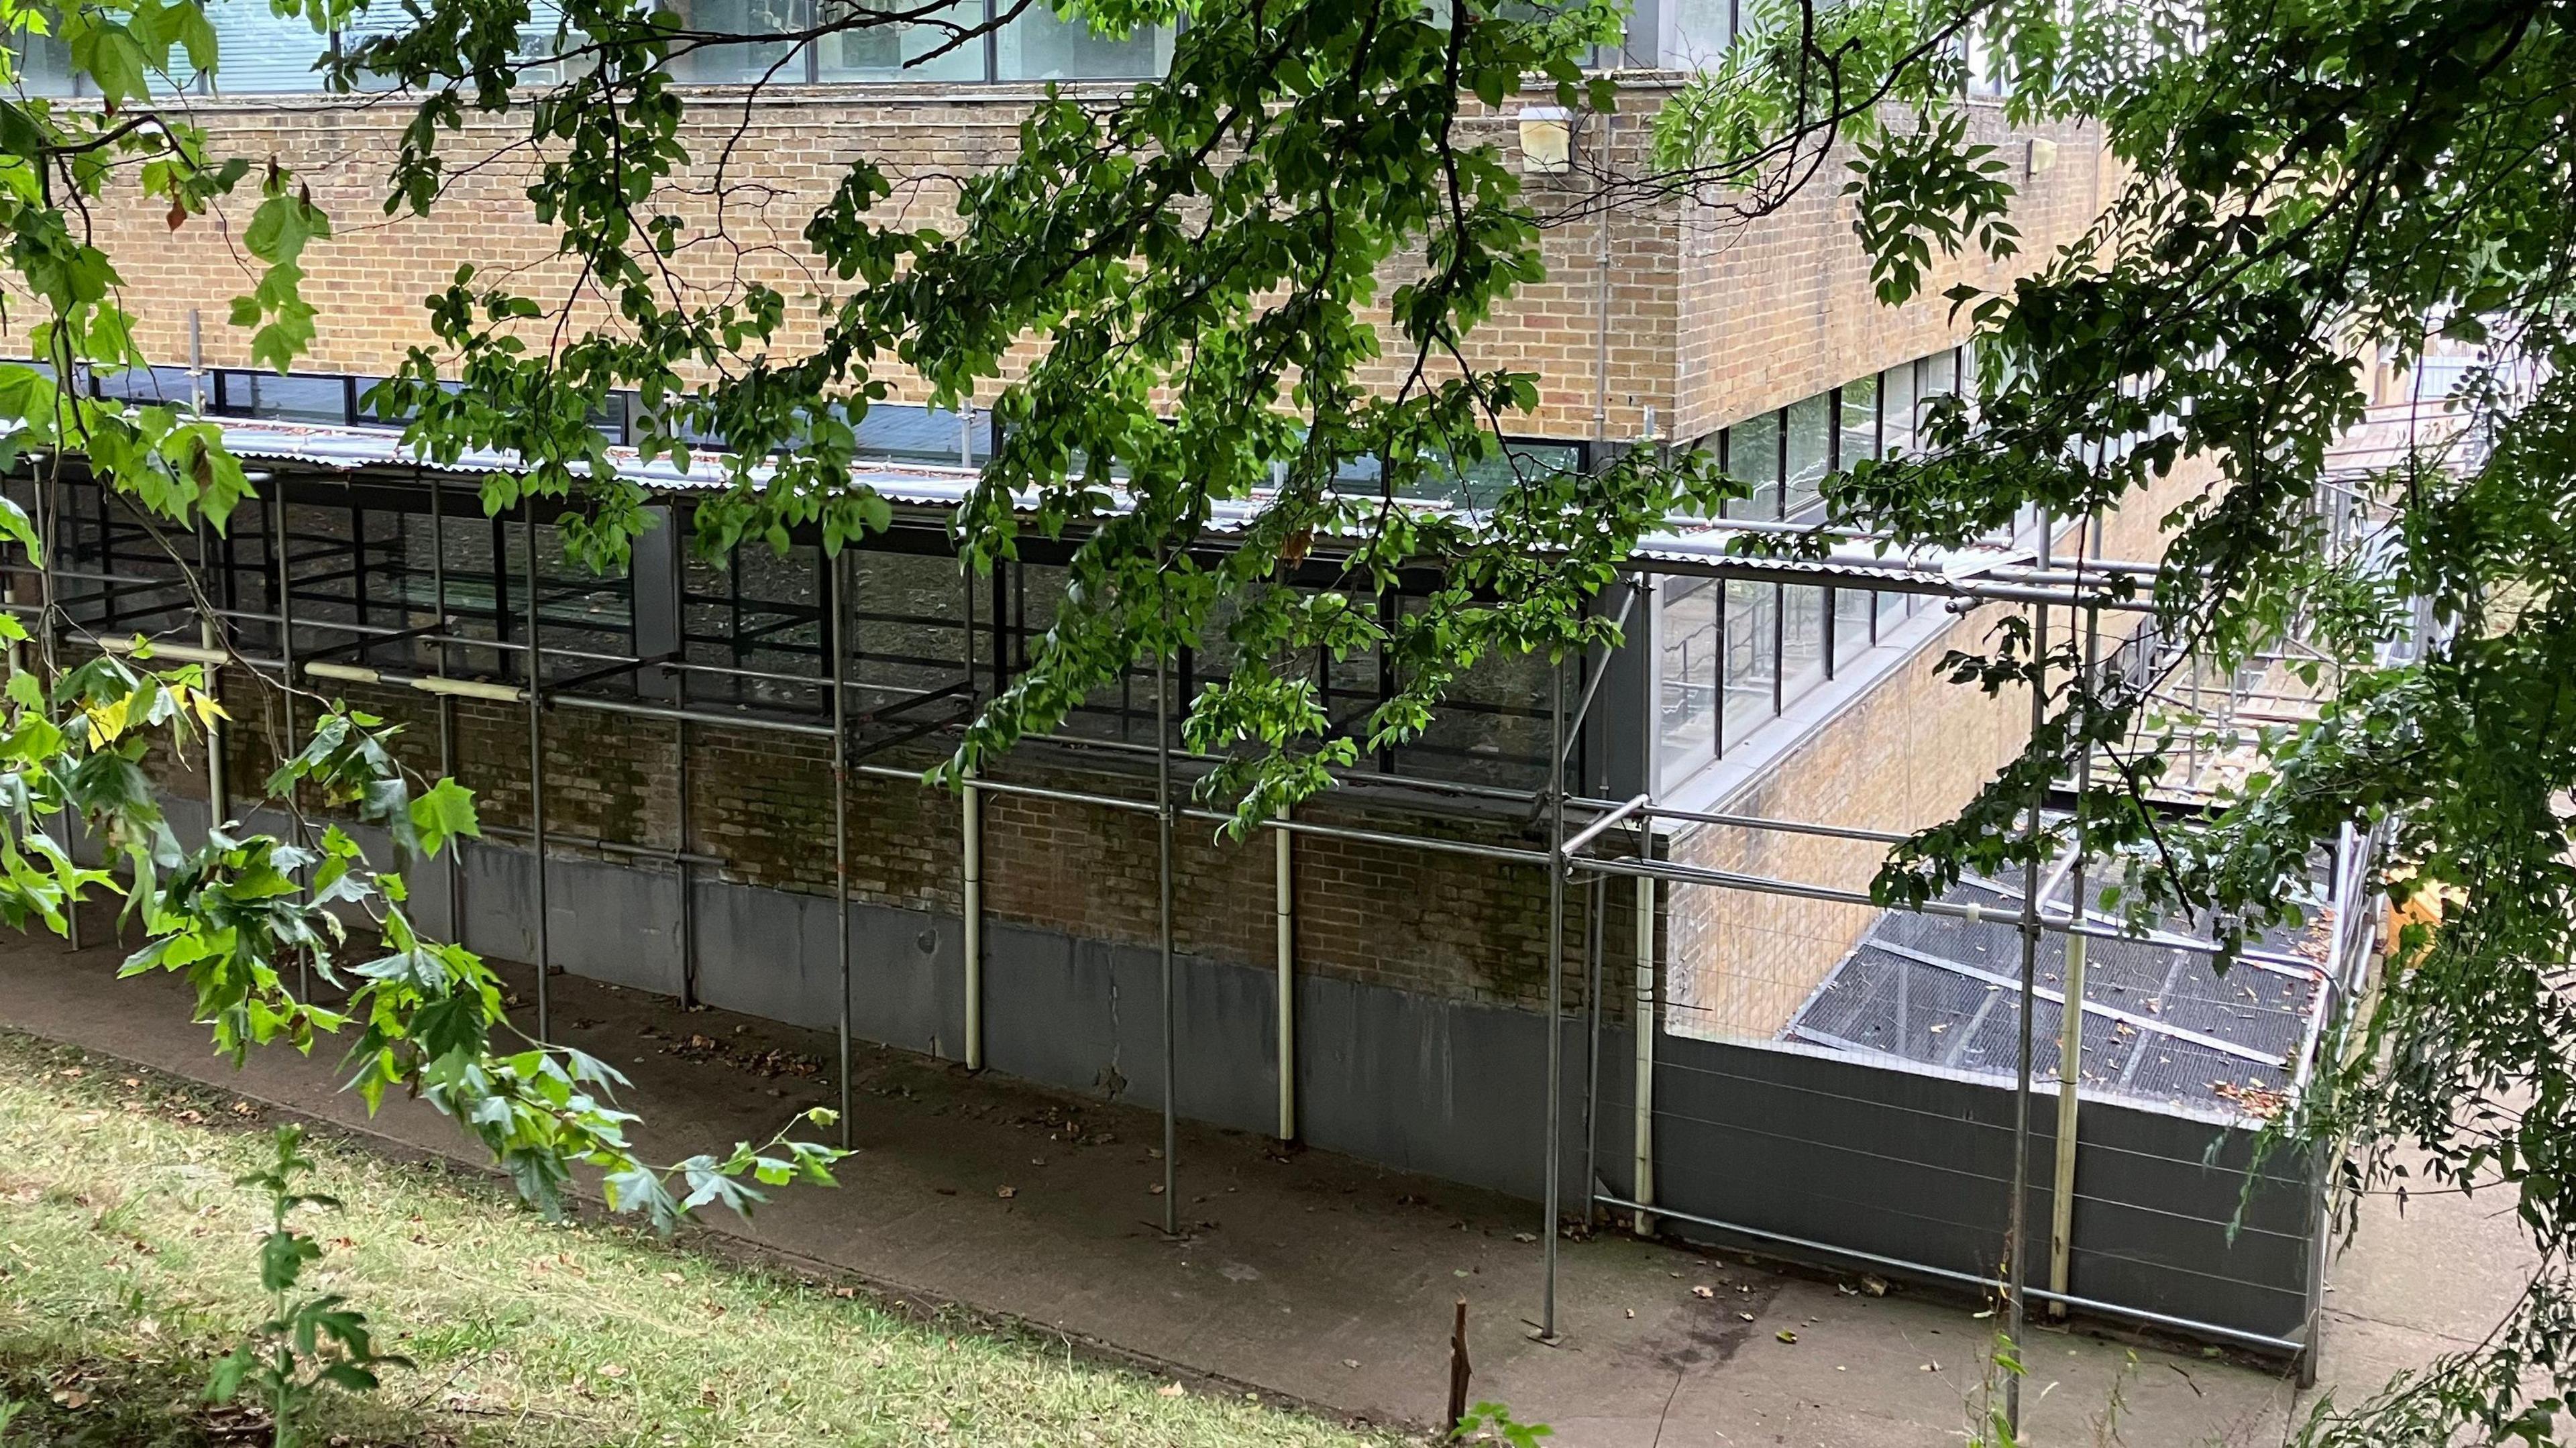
<point x="1042" y="45"/>
<point x="1853" y="608"/>
<point x="1899" y="411"/>
<point x="907" y="623"/>
<point x="273" y="398"/>
<point x="1859" y="421"/>
<point x="1937" y="375"/>
<point x="1802" y="640"/>
<point x="1491" y="729"/>
<point x="1753" y="454"/>
<point x="42" y="64"/>
<point x="1893" y="607"/>
<point x="1487" y="481"/>
<point x="258" y="52"/>
<point x="1752" y="656"/>
<point x="1703" y="30"/>
<point x="909" y="432"/>
<point x="754" y="617"/>
<point x="898" y="52"/>
<point x="746" y="61"/>
<point x="1810" y="441"/>
<point x="1687" y="675"/>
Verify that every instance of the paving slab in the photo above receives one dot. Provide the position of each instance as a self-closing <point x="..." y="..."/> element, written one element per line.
<point x="1321" y="1278"/>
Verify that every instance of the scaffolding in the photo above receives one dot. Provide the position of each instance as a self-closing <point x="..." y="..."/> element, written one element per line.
<point x="477" y="646"/>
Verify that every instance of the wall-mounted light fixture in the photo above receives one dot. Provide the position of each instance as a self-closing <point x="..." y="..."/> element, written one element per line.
<point x="1547" y="140"/>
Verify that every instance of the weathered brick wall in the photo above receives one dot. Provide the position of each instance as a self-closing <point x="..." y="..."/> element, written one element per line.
<point x="1441" y="924"/>
<point x="1700" y="322"/>
<point x="1781" y="308"/>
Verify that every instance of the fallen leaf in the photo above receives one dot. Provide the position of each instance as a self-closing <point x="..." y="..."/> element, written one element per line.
<point x="1785" y="1335"/>
<point x="611" y="1370"/>
<point x="1703" y="1291"/>
<point x="1006" y="1193"/>
<point x="674" y="1278"/>
<point x="1748" y="1317"/>
<point x="1156" y="1189"/>
<point x="1168" y="1390"/>
<point x="71" y="1397"/>
<point x="1350" y="1362"/>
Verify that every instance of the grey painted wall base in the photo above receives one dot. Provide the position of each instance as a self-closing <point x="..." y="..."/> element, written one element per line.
<point x="1900" y="1162"/>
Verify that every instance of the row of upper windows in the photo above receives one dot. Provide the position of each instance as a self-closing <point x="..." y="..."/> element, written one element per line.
<point x="1785" y="454"/>
<point x="262" y="53"/>
<point x="1732" y="655"/>
<point x="895" y="432"/>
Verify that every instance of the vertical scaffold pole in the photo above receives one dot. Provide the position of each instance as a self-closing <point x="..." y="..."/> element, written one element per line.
<point x="2017" y="1211"/>
<point x="447" y="762"/>
<point x="836" y="640"/>
<point x="970" y="854"/>
<point x="286" y="693"/>
<point x="537" y="766"/>
<point x="47" y="664"/>
<point x="210" y="637"/>
<point x="2070" y="1043"/>
<point x="1555" y="1131"/>
<point x="1163" y="873"/>
<point x="1644" y="1127"/>
<point x="1284" y="908"/>
<point x="1595" y="948"/>
<point x="686" y="872"/>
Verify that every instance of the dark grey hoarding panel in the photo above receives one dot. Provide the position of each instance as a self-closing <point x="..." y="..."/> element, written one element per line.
<point x="1917" y="1166"/>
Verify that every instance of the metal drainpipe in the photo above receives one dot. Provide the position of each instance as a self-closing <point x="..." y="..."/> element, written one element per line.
<point x="1285" y="890"/>
<point x="1644" y="1129"/>
<point x="537" y="766"/>
<point x="1601" y="309"/>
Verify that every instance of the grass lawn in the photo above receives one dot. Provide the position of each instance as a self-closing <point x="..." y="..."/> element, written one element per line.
<point x="127" y="1263"/>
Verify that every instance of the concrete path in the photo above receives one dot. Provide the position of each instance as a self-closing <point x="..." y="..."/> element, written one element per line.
<point x="1332" y="1282"/>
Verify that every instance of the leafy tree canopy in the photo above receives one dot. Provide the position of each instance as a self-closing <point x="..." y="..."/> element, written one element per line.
<point x="1203" y="266"/>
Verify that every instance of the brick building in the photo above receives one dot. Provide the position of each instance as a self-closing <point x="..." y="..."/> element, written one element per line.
<point x="1381" y="982"/>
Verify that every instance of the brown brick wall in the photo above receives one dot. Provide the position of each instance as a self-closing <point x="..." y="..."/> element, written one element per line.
<point x="1704" y="322"/>
<point x="1440" y="924"/>
<point x="1781" y="308"/>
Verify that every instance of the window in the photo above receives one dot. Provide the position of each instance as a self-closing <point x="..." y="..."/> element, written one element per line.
<point x="1896" y="414"/>
<point x="1041" y="45"/>
<point x="1752" y="657"/>
<point x="1859" y="422"/>
<point x="1687" y="673"/>
<point x="899" y="52"/>
<point x="1703" y="30"/>
<point x="737" y="62"/>
<point x="754" y="619"/>
<point x="1855" y="611"/>
<point x="259" y="52"/>
<point x="1802" y="641"/>
<point x="1751" y="453"/>
<point x="1777" y="643"/>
